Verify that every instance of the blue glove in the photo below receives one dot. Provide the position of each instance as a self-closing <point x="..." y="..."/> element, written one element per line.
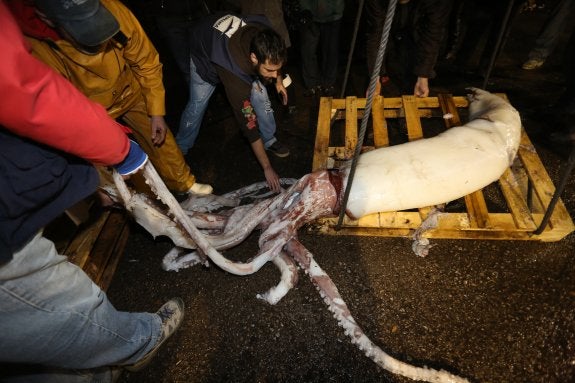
<point x="133" y="162"/>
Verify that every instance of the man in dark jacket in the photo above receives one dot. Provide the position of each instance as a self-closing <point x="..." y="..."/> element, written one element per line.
<point x="243" y="54"/>
<point x="415" y="38"/>
<point x="51" y="313"/>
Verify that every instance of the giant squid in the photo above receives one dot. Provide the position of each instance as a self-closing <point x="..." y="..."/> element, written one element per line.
<point x="415" y="174"/>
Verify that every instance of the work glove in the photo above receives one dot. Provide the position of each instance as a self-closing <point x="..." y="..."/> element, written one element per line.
<point x="134" y="161"/>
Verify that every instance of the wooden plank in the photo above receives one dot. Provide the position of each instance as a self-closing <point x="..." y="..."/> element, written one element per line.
<point x="447" y="105"/>
<point x="380" y="136"/>
<point x="516" y="201"/>
<point x="397" y="102"/>
<point x="542" y="184"/>
<point x="399" y="113"/>
<point x="78" y="251"/>
<point x="475" y="202"/>
<point x="105" y="248"/>
<point x="414" y="130"/>
<point x="110" y="270"/>
<point x="109" y="248"/>
<point x="322" y="135"/>
<point x="350" y="126"/>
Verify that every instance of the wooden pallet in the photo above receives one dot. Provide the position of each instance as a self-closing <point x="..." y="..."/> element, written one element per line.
<point x="524" y="190"/>
<point x="96" y="247"/>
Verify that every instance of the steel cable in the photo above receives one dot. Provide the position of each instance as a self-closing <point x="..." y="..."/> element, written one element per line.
<point x="371" y="90"/>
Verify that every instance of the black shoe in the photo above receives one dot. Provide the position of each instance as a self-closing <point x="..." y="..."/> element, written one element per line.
<point x="313" y="91"/>
<point x="328" y="91"/>
<point x="278" y="149"/>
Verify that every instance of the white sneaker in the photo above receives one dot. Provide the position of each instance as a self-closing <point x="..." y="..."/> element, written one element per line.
<point x="198" y="188"/>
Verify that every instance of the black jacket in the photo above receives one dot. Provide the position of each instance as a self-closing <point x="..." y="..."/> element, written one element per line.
<point x="37" y="184"/>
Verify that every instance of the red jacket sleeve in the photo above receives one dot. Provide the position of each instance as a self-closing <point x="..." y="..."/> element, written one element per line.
<point x="39" y="104"/>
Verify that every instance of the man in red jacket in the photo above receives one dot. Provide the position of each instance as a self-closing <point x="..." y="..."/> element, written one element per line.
<point x="51" y="313"/>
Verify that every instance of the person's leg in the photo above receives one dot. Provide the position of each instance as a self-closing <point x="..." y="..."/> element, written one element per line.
<point x="191" y="121"/>
<point x="23" y="373"/>
<point x="309" y="41"/>
<point x="51" y="313"/>
<point x="166" y="158"/>
<point x="264" y="112"/>
<point x="549" y="35"/>
<point x="329" y="55"/>
<point x="176" y="32"/>
<point x="375" y="11"/>
<point x="568" y="98"/>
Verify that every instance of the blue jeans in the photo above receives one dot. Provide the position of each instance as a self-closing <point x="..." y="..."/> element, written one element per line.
<point x="52" y="314"/>
<point x="41" y="374"/>
<point x="200" y="93"/>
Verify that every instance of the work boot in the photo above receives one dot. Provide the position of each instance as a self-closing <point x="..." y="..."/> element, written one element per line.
<point x="171" y="314"/>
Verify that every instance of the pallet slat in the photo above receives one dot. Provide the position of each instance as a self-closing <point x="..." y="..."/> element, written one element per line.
<point x="98" y="248"/>
<point x="475" y="202"/>
<point x="320" y="154"/>
<point x="524" y="210"/>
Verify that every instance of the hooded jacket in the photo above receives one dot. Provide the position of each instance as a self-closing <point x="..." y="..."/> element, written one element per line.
<point x="114" y="77"/>
<point x="41" y="142"/>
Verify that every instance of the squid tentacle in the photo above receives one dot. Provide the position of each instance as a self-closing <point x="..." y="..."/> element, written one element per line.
<point x="203" y="242"/>
<point x="338" y="307"/>
<point x="289" y="278"/>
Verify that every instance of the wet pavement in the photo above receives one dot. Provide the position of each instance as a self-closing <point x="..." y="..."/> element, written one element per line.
<point x="489" y="311"/>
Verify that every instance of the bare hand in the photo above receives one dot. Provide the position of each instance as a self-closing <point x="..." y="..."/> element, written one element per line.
<point x="421" y="87"/>
<point x="272" y="180"/>
<point x="159" y="130"/>
<point x="282" y="91"/>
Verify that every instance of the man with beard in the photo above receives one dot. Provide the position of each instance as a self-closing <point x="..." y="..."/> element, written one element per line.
<point x="243" y="54"/>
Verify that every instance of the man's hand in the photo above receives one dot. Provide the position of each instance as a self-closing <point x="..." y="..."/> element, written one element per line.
<point x="421" y="87"/>
<point x="269" y="172"/>
<point x="159" y="130"/>
<point x="282" y="91"/>
<point x="273" y="180"/>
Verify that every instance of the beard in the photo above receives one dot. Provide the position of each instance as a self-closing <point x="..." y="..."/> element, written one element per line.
<point x="264" y="80"/>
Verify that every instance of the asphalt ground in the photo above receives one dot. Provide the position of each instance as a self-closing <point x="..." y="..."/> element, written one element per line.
<point x="489" y="311"/>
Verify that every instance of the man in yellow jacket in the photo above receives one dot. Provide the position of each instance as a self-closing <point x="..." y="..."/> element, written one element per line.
<point x="122" y="72"/>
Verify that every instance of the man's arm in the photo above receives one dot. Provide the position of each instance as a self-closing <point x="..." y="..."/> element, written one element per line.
<point x="142" y="57"/>
<point x="43" y="106"/>
<point x="281" y="89"/>
<point x="434" y="15"/>
<point x="238" y="93"/>
<point x="144" y="61"/>
<point x="271" y="176"/>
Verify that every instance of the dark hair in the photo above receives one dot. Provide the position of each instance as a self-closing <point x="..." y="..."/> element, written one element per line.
<point x="268" y="45"/>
